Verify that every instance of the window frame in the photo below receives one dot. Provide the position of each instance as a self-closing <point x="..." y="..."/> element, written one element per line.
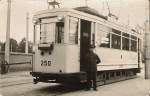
<point x="122" y="35"/>
<point x="102" y="29"/>
<point x="133" y="38"/>
<point x="127" y="37"/>
<point x="76" y="34"/>
<point x="50" y="20"/>
<point x="56" y="34"/>
<point x="116" y="34"/>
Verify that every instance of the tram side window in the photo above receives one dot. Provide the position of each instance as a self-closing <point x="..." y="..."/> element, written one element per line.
<point x="125" y="41"/>
<point x="103" y="36"/>
<point x="133" y="43"/>
<point x="116" y="41"/>
<point x="73" y="34"/>
<point x="139" y="45"/>
<point x="105" y="39"/>
<point x="59" y="32"/>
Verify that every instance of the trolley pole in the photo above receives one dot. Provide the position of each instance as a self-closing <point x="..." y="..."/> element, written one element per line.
<point x="7" y="45"/>
<point x="27" y="32"/>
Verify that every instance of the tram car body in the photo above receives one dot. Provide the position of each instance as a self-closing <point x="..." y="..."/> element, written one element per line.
<point x="62" y="36"/>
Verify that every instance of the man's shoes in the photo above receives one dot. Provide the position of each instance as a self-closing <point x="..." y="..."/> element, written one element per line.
<point x="87" y="89"/>
<point x="95" y="89"/>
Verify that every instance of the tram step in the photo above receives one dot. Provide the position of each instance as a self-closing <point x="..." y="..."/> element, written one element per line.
<point x="99" y="83"/>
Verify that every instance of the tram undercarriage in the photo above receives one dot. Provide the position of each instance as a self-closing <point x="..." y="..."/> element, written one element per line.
<point x="111" y="76"/>
<point x="103" y="77"/>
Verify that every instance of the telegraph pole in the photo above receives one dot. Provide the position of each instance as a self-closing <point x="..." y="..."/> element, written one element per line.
<point x="27" y="32"/>
<point x="7" y="45"/>
<point x="86" y="3"/>
<point x="147" y="48"/>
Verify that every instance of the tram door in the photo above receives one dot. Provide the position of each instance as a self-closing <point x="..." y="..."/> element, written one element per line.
<point x="85" y="41"/>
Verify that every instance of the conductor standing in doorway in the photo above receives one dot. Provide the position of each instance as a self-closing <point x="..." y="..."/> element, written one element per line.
<point x="91" y="60"/>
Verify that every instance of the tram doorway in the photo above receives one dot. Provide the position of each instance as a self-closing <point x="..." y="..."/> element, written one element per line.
<point x="85" y="41"/>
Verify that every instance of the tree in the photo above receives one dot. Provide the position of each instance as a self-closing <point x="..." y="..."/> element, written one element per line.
<point x="30" y="47"/>
<point x="13" y="45"/>
<point x="2" y="45"/>
<point x="22" y="45"/>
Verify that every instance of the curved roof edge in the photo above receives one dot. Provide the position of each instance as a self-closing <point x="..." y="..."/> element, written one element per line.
<point x="90" y="11"/>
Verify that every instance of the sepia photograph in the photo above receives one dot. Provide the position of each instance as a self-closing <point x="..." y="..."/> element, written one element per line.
<point x="74" y="47"/>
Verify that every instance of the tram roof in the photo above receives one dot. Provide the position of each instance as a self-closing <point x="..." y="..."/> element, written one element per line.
<point x="93" y="15"/>
<point x="90" y="11"/>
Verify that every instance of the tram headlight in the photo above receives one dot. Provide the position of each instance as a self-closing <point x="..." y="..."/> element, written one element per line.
<point x="35" y="21"/>
<point x="60" y="17"/>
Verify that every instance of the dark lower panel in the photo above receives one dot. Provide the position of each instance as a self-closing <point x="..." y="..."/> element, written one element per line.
<point x="58" y="77"/>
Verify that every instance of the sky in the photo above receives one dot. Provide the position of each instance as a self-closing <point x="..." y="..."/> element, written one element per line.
<point x="130" y="12"/>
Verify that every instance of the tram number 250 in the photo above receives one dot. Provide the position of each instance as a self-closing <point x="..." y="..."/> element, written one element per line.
<point x="45" y="63"/>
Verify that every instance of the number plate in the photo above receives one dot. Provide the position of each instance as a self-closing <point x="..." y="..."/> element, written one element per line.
<point x="46" y="63"/>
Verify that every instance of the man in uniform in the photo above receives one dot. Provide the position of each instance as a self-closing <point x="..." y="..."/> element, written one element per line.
<point x="91" y="62"/>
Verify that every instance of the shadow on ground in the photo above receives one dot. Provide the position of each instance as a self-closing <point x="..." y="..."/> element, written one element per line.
<point x="55" y="90"/>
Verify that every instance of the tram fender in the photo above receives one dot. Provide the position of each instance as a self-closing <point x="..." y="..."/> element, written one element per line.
<point x="58" y="77"/>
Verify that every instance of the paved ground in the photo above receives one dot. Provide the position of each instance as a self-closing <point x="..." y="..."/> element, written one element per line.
<point x="20" y="84"/>
<point x="15" y="78"/>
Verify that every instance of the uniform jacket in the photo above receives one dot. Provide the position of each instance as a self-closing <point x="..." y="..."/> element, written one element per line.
<point x="91" y="60"/>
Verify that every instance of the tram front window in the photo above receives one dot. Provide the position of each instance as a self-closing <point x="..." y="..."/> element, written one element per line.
<point x="59" y="32"/>
<point x="47" y="33"/>
<point x="50" y="32"/>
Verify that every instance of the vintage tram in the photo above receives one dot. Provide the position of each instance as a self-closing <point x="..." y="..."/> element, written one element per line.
<point x="62" y="36"/>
